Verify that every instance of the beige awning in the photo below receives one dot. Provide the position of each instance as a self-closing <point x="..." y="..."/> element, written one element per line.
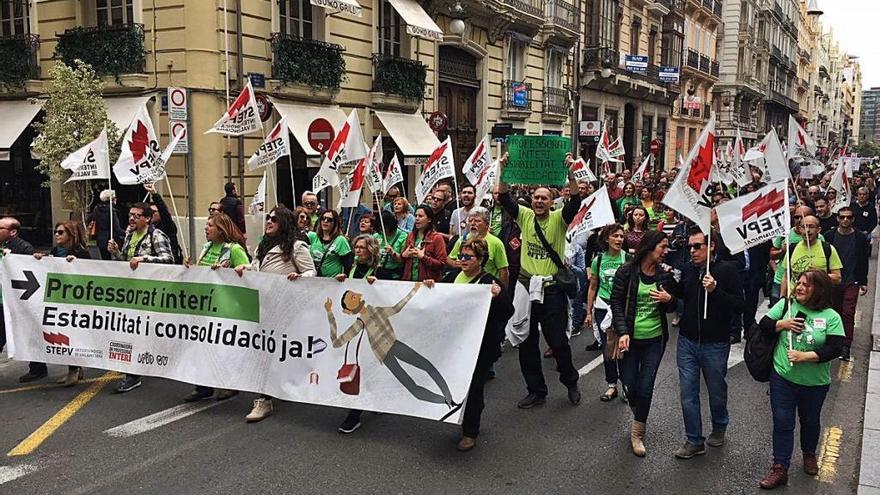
<point x="121" y="110"/>
<point x="418" y="22"/>
<point x="410" y="132"/>
<point x="300" y="116"/>
<point x="15" y="116"/>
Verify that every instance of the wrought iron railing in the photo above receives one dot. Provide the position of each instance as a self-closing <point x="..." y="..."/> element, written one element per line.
<point x="533" y="7"/>
<point x="110" y="50"/>
<point x="18" y="59"/>
<point x="561" y="13"/>
<point x="304" y="61"/>
<point x="715" y="70"/>
<point x="556" y="101"/>
<point x="693" y="59"/>
<point x="517" y="96"/>
<point x="399" y="76"/>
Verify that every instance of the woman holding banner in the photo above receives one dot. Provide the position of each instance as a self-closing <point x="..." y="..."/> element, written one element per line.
<point x="284" y="250"/>
<point x="329" y="247"/>
<point x="424" y="253"/>
<point x="640" y="299"/>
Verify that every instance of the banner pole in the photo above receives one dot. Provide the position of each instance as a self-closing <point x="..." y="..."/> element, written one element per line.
<point x="708" y="259"/>
<point x="112" y="194"/>
<point x="176" y="224"/>
<point x="788" y="273"/>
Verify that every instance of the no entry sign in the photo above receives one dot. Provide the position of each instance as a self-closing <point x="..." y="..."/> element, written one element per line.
<point x="320" y="134"/>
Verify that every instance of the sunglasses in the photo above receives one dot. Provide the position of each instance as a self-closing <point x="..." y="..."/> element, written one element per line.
<point x="212" y="210"/>
<point x="845" y="217"/>
<point x="466" y="257"/>
<point x="272" y="219"/>
<point x="696" y="245"/>
<point x="60" y="232"/>
<point x="310" y="204"/>
<point x="326" y="219"/>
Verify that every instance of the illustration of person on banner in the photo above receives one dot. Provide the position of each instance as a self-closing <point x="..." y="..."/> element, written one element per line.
<point x="389" y="350"/>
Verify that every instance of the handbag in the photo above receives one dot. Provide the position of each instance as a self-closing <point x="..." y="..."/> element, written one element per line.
<point x="349" y="375"/>
<point x="564" y="278"/>
<point x="759" y="350"/>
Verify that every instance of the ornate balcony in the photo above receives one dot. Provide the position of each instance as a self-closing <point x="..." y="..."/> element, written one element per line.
<point x="18" y="61"/>
<point x="516" y="100"/>
<point x="110" y="50"/>
<point x="561" y="19"/>
<point x="304" y="68"/>
<point x="398" y="82"/>
<point x="556" y="102"/>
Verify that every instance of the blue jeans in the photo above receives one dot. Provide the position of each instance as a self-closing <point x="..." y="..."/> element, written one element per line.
<point x="578" y="304"/>
<point x="775" y="293"/>
<point x="786" y="399"/>
<point x="711" y="359"/>
<point x="611" y="373"/>
<point x="639" y="369"/>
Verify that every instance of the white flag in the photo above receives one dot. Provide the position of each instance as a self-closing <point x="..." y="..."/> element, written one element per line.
<point x="720" y="168"/>
<point x="275" y="146"/>
<point x="394" y="175"/>
<point x="800" y="144"/>
<point x="608" y="151"/>
<point x="480" y="159"/>
<point x="350" y="188"/>
<point x="139" y="160"/>
<point x="768" y="157"/>
<point x="92" y="161"/>
<point x="754" y="218"/>
<point x="739" y="169"/>
<point x="440" y="165"/>
<point x="689" y="193"/>
<point x="581" y="171"/>
<point x="259" y="201"/>
<point x="348" y="146"/>
<point x="640" y="172"/>
<point x="840" y="183"/>
<point x="374" y="166"/>
<point x="487" y="179"/>
<point x="595" y="212"/>
<point x="242" y="117"/>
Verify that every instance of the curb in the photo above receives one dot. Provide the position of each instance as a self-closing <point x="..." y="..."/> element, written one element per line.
<point x="869" y="475"/>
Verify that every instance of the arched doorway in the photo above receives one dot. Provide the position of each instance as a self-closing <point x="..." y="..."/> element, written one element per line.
<point x="457" y="98"/>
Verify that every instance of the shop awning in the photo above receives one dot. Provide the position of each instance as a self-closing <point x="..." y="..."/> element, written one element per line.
<point x="300" y="116"/>
<point x="350" y="7"/>
<point x="410" y="132"/>
<point x="121" y="110"/>
<point x="418" y="22"/>
<point x="16" y="116"/>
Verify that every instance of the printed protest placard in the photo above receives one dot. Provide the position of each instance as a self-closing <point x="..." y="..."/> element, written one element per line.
<point x="537" y="160"/>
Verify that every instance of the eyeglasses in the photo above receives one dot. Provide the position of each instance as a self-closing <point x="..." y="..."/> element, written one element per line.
<point x="326" y="219"/>
<point x="272" y="219"/>
<point x="135" y="215"/>
<point x="310" y="204"/>
<point x="212" y="210"/>
<point x="466" y="257"/>
<point x="845" y="217"/>
<point x="696" y="246"/>
<point x="60" y="232"/>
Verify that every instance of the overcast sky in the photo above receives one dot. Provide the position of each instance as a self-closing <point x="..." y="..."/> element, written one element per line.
<point x="855" y="24"/>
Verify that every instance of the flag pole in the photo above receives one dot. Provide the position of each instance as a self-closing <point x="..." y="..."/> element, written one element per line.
<point x="176" y="224"/>
<point x="708" y="259"/>
<point x="788" y="273"/>
<point x="112" y="197"/>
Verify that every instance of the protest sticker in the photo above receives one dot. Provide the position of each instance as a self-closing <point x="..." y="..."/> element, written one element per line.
<point x="537" y="160"/>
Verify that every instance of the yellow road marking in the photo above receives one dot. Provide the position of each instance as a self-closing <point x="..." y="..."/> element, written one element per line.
<point x="39" y="436"/>
<point x="40" y="386"/>
<point x="829" y="453"/>
<point x="844" y="371"/>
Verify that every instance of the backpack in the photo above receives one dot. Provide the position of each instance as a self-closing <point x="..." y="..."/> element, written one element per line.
<point x="758" y="351"/>
<point x="826" y="249"/>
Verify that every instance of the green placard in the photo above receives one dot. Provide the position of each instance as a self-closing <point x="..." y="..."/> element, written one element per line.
<point x="537" y="160"/>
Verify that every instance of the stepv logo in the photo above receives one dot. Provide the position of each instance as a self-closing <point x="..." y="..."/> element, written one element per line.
<point x="59" y="344"/>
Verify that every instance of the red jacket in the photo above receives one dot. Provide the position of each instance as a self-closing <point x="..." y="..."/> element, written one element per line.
<point x="434" y="262"/>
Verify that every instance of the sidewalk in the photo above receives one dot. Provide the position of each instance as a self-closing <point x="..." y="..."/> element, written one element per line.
<point x="869" y="472"/>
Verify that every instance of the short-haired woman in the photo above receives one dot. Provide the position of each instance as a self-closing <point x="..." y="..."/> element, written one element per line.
<point x="810" y="335"/>
<point x="329" y="247"/>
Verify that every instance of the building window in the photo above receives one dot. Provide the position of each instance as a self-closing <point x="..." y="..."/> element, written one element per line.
<point x="296" y="19"/>
<point x="634" y="35"/>
<point x="672" y="42"/>
<point x="652" y="45"/>
<point x="14" y="17"/>
<point x="114" y="12"/>
<point x="604" y="24"/>
<point x="516" y="58"/>
<point x="555" y="65"/>
<point x="390" y="28"/>
<point x="611" y="122"/>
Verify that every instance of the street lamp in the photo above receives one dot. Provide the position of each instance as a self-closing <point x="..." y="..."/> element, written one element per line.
<point x="813" y="9"/>
<point x="456" y="25"/>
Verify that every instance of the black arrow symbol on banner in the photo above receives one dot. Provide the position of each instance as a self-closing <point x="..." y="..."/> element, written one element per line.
<point x="30" y="285"/>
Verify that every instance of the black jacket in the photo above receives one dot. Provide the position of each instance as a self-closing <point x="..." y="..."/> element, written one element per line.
<point x="167" y="225"/>
<point x="625" y="292"/>
<point x="17" y="245"/>
<point x="724" y="302"/>
<point x="863" y="252"/>
<point x="864" y="217"/>
<point x="233" y="208"/>
<point x="101" y="217"/>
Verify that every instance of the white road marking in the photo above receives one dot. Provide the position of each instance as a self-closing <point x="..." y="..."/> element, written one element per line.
<point x="12" y="473"/>
<point x="160" y="419"/>
<point x="595" y="363"/>
<point x="736" y="355"/>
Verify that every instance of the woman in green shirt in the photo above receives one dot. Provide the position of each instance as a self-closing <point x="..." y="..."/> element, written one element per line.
<point x="329" y="248"/>
<point x="629" y="198"/>
<point x="223" y="250"/>
<point x="391" y="245"/>
<point x="810" y="335"/>
<point x="602" y="270"/>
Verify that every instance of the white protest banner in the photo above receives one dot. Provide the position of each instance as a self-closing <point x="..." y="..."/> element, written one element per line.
<point x="242" y="117"/>
<point x="768" y="157"/>
<point x="258" y="203"/>
<point x="480" y="159"/>
<point x="140" y="158"/>
<point x="608" y="151"/>
<point x="314" y="340"/>
<point x="487" y="179"/>
<point x="689" y="193"/>
<point x="374" y="166"/>
<point x="754" y="218"/>
<point x="800" y="144"/>
<point x="440" y="165"/>
<point x="348" y="146"/>
<point x="855" y="163"/>
<point x="581" y="171"/>
<point x="92" y="161"/>
<point x="394" y="175"/>
<point x="275" y="146"/>
<point x="840" y="183"/>
<point x="739" y="169"/>
<point x="595" y="212"/>
<point x="351" y="187"/>
<point x="640" y="172"/>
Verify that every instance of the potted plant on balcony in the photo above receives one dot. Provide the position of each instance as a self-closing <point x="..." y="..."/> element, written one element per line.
<point x="398" y="83"/>
<point x="116" y="53"/>
<point x="306" y="69"/>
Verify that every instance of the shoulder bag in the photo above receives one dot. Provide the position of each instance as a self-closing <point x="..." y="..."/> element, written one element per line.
<point x="564" y="278"/>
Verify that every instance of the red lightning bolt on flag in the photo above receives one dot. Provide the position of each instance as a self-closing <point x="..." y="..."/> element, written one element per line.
<point x="762" y="204"/>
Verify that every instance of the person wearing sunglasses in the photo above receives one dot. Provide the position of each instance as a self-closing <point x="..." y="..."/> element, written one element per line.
<point x="854" y="253"/>
<point x="864" y="213"/>
<point x="70" y="241"/>
<point x="310" y="203"/>
<point x="330" y="249"/>
<point x="303" y="220"/>
<point x="711" y="300"/>
<point x="214" y="209"/>
<point x="283" y="250"/>
<point x="777" y="251"/>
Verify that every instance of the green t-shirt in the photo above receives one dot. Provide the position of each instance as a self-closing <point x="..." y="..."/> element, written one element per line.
<point x="534" y="259"/>
<point x="397" y="243"/>
<point x="778" y="243"/>
<point x="648" y="323"/>
<point x="461" y="278"/>
<point x="495" y="222"/>
<point x="414" y="274"/>
<point x="803" y="259"/>
<point x="497" y="254"/>
<point x="237" y="255"/>
<point x="331" y="254"/>
<point x="606" y="272"/>
<point x="133" y="243"/>
<point x="817" y="325"/>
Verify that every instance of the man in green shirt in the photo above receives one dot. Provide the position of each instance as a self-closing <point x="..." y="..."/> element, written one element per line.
<point x="496" y="260"/>
<point x="549" y="307"/>
<point x="810" y="253"/>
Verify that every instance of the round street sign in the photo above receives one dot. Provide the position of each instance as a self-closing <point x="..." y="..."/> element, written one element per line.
<point x="437" y="121"/>
<point x="320" y="134"/>
<point x="655" y="146"/>
<point x="264" y="106"/>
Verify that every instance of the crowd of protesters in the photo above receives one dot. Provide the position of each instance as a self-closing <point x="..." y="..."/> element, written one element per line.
<point x="636" y="281"/>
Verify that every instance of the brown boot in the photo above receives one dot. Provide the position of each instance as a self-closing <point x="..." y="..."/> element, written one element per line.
<point x="637" y="437"/>
<point x="811" y="464"/>
<point x="777" y="477"/>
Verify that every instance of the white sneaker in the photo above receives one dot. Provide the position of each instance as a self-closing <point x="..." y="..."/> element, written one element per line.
<point x="262" y="410"/>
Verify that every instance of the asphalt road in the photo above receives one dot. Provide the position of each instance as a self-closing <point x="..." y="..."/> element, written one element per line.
<point x="557" y="448"/>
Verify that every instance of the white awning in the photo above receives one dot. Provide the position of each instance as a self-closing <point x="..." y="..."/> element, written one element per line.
<point x="15" y="116"/>
<point x="300" y="116"/>
<point x="410" y="132"/>
<point x="418" y="22"/>
<point x="121" y="110"/>
<point x="346" y="6"/>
